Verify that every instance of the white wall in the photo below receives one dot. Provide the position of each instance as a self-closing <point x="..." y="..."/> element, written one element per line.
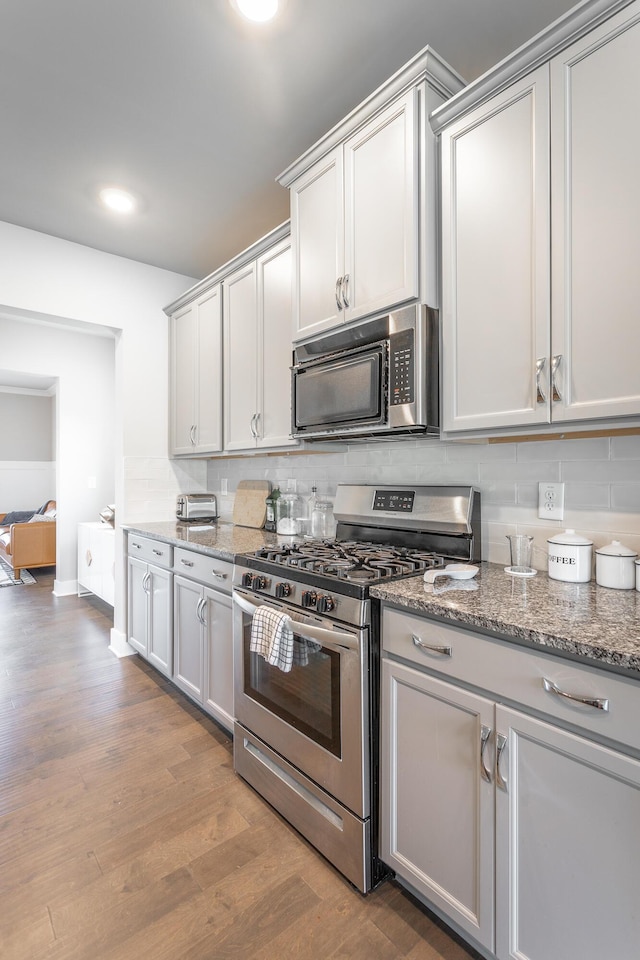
<point x="55" y="281"/>
<point x="27" y="465"/>
<point x="601" y="476"/>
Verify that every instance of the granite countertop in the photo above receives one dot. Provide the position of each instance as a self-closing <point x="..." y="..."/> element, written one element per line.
<point x="222" y="539"/>
<point x="593" y="623"/>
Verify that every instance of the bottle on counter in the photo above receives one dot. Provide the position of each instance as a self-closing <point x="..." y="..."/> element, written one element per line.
<point x="272" y="502"/>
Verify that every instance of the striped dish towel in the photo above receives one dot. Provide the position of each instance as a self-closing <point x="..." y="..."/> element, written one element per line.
<point x="272" y="637"/>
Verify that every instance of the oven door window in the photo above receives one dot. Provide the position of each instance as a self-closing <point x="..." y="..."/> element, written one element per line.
<point x="345" y="390"/>
<point x="307" y="698"/>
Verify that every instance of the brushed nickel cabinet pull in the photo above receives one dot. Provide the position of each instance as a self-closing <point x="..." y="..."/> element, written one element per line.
<point x="598" y="703"/>
<point x="338" y="289"/>
<point x="485" y="733"/>
<point x="541" y="396"/>
<point x="555" y="364"/>
<point x="501" y="742"/>
<point x="431" y="648"/>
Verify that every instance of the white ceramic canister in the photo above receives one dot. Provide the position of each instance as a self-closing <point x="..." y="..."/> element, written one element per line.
<point x="570" y="557"/>
<point x="615" y="566"/>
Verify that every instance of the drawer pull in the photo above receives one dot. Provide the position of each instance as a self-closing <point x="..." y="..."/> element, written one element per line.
<point x="432" y="648"/>
<point x="186" y="563"/>
<point x="158" y="553"/>
<point x="138" y="546"/>
<point x="598" y="703"/>
<point x="219" y="576"/>
<point x="501" y="742"/>
<point x="485" y="733"/>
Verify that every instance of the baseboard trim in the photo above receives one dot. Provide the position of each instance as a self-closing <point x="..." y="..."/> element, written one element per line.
<point x="65" y="588"/>
<point x="119" y="646"/>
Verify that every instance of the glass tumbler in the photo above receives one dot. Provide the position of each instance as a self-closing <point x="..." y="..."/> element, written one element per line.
<point x="520" y="546"/>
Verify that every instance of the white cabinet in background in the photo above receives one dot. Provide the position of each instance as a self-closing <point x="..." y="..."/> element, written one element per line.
<point x="540" y="205"/>
<point x="520" y="831"/>
<point x="257" y="352"/>
<point x="195" y="377"/>
<point x="364" y="205"/>
<point x="203" y="633"/>
<point x="150" y="601"/>
<point x="96" y="560"/>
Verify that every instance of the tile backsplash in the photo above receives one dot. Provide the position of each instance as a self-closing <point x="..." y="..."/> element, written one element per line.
<point x="601" y="477"/>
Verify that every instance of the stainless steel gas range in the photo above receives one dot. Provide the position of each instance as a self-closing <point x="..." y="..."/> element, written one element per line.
<point x="306" y="738"/>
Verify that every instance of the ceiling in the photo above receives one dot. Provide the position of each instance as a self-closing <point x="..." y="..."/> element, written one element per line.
<point x="196" y="112"/>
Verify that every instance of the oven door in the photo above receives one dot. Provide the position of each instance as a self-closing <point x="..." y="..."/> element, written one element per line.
<point x="341" y="393"/>
<point x="316" y="715"/>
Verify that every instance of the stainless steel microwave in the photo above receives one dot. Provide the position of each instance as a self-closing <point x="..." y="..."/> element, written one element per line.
<point x="378" y="378"/>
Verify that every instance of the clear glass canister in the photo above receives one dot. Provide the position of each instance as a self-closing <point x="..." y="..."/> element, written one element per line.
<point x="288" y="510"/>
<point x="322" y="522"/>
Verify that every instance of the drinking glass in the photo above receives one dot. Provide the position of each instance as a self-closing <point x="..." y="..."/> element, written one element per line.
<point x="520" y="546"/>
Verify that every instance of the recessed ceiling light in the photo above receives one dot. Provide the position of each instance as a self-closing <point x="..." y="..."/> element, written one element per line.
<point x="257" y="10"/>
<point x="118" y="200"/>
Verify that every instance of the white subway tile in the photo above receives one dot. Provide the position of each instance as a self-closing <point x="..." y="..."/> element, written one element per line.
<point x="600" y="471"/>
<point x="625" y="448"/>
<point x="480" y="452"/>
<point x="625" y="497"/>
<point x="590" y="448"/>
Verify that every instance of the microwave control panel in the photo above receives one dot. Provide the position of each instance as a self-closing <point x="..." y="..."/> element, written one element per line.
<point x="401" y="368"/>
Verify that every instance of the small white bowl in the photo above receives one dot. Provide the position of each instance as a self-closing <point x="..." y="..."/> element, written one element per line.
<point x="457" y="571"/>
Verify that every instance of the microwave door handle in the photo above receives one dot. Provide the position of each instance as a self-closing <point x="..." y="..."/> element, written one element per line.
<point x="328" y="638"/>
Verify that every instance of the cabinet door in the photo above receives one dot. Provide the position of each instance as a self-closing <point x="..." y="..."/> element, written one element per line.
<point x="240" y="358"/>
<point x="317" y="229"/>
<point x="218" y="672"/>
<point x="160" y="631"/>
<point x="208" y="366"/>
<point x="596" y="212"/>
<point x="183" y="343"/>
<point x="495" y="258"/>
<point x="138" y="605"/>
<point x="381" y="172"/>
<point x="568" y="846"/>
<point x="274" y="347"/>
<point x="187" y="637"/>
<point x="437" y="809"/>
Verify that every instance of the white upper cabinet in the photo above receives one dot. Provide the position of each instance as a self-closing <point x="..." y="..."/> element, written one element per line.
<point x="257" y="352"/>
<point x="363" y="205"/>
<point x="195" y="379"/>
<point x="495" y="239"/>
<point x="540" y="206"/>
<point x="596" y="217"/>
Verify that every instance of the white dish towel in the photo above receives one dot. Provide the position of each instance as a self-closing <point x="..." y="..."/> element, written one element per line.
<point x="272" y="637"/>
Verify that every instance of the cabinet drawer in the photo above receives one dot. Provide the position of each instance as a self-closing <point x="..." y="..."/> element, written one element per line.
<point x="152" y="551"/>
<point x="208" y="570"/>
<point x="514" y="674"/>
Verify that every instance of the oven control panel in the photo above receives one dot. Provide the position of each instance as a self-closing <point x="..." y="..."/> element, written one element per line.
<point x="303" y="596"/>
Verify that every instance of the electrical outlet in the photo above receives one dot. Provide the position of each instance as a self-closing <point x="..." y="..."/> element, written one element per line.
<point x="551" y="501"/>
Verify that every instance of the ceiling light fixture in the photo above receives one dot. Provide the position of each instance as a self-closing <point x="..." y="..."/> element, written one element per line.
<point x="118" y="200"/>
<point x="257" y="10"/>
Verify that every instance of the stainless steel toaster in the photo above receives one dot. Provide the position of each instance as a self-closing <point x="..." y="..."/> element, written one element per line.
<point x="196" y="506"/>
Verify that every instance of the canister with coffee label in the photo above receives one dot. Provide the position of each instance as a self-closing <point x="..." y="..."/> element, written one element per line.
<point x="570" y="557"/>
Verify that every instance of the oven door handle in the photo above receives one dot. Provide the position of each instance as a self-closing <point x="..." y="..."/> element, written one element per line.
<point x="328" y="638"/>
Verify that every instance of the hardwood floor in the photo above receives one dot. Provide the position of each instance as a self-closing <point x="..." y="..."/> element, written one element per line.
<point x="124" y="832"/>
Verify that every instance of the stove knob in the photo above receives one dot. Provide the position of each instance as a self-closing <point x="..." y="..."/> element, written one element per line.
<point x="325" y="604"/>
<point x="283" y="590"/>
<point x="258" y="582"/>
<point x="247" y="579"/>
<point x="308" y="598"/>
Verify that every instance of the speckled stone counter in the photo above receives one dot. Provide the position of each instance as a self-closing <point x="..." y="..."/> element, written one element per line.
<point x="577" y="619"/>
<point x="222" y="540"/>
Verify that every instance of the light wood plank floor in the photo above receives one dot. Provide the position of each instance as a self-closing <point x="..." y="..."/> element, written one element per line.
<point x="124" y="832"/>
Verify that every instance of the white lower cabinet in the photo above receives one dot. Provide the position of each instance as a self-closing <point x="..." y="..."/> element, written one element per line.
<point x="96" y="560"/>
<point x="150" y="601"/>
<point x="520" y="832"/>
<point x="568" y="845"/>
<point x="437" y="810"/>
<point x="203" y="637"/>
